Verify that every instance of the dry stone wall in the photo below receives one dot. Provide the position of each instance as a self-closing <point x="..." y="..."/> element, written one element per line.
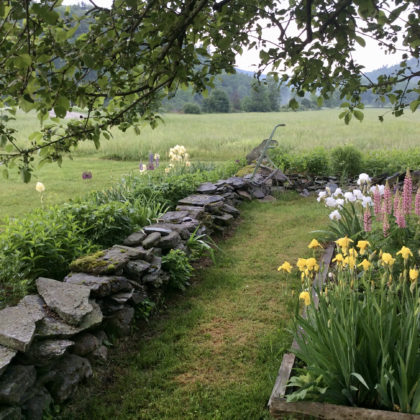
<point x="49" y="341"/>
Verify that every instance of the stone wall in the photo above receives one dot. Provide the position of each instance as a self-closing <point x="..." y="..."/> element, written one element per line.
<point x="49" y="341"/>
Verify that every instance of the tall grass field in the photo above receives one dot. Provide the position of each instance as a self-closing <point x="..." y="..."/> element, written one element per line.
<point x="207" y="137"/>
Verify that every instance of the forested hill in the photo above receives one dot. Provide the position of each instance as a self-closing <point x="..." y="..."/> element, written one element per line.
<point x="242" y="92"/>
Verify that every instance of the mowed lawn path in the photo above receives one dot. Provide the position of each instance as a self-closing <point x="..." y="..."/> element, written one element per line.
<point x="214" y="352"/>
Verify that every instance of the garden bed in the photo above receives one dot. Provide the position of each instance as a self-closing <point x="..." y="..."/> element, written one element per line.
<point x="278" y="405"/>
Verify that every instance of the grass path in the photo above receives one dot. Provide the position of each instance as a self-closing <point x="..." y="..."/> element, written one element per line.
<point x="215" y="351"/>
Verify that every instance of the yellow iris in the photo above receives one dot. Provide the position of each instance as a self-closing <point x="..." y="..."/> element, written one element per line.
<point x="387" y="259"/>
<point x="306" y="297"/>
<point x="414" y="274"/>
<point x="365" y="264"/>
<point x="339" y="258"/>
<point x="362" y="246"/>
<point x="344" y="243"/>
<point x="301" y="264"/>
<point x="314" y="244"/>
<point x="312" y="264"/>
<point x="286" y="266"/>
<point x="405" y="253"/>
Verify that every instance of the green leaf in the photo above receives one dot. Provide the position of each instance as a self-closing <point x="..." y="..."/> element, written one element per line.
<point x="414" y="105"/>
<point x="293" y="103"/>
<point x="360" y="41"/>
<point x="358" y="115"/>
<point x="23" y="61"/>
<point x="347" y="118"/>
<point x="61" y="106"/>
<point x="25" y="174"/>
<point x="5" y="173"/>
<point x="360" y="378"/>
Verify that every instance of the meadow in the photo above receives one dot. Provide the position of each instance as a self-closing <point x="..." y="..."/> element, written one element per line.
<point x="207" y="137"/>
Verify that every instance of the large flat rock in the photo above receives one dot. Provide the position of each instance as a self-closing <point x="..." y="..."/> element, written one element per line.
<point x="166" y="228"/>
<point x="174" y="217"/>
<point x="110" y="261"/>
<point x="207" y="188"/>
<point x="6" y="356"/>
<point x="53" y="327"/>
<point x="100" y="286"/>
<point x="70" y="301"/>
<point x="34" y="305"/>
<point x="201" y="200"/>
<point x="17" y="328"/>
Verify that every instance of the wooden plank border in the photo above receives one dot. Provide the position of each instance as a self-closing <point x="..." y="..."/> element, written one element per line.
<point x="279" y="389"/>
<point x="280" y="407"/>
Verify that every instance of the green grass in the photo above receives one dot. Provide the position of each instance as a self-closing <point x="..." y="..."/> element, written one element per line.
<point x="215" y="352"/>
<point x="61" y="184"/>
<point x="232" y="136"/>
<point x="210" y="137"/>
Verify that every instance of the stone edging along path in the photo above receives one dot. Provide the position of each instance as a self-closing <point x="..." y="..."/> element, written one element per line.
<point x="49" y="340"/>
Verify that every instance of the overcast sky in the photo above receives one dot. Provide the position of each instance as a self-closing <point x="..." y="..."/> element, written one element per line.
<point x="370" y="56"/>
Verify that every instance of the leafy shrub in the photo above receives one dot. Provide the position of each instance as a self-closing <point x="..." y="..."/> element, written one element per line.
<point x="41" y="244"/>
<point x="105" y="224"/>
<point x="346" y="161"/>
<point x="317" y="162"/>
<point x="176" y="263"/>
<point x="191" y="109"/>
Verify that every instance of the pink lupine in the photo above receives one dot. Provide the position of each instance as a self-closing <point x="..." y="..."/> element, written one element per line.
<point x="417" y="203"/>
<point x="385" y="226"/>
<point x="399" y="216"/>
<point x="387" y="199"/>
<point x="376" y="201"/>
<point x="396" y="202"/>
<point x="367" y="220"/>
<point x="407" y="193"/>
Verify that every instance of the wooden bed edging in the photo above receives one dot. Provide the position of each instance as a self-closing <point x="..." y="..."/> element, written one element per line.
<point x="279" y="408"/>
<point x="279" y="389"/>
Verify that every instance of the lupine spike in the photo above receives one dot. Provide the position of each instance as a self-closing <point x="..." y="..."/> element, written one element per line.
<point x="385" y="226"/>
<point x="417" y="203"/>
<point x="367" y="220"/>
<point x="407" y="192"/>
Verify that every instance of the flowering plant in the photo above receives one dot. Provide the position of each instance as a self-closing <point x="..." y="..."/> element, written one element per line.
<point x="178" y="156"/>
<point x="387" y="218"/>
<point x="361" y="340"/>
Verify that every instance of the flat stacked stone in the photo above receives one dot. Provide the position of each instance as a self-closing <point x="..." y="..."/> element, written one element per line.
<point x="69" y="301"/>
<point x="100" y="286"/>
<point x="110" y="261"/>
<point x="17" y="328"/>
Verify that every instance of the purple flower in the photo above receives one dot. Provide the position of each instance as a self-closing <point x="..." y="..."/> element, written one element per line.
<point x="150" y="166"/>
<point x="87" y="175"/>
<point x="151" y="158"/>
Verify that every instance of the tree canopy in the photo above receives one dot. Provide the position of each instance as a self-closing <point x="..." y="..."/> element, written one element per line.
<point x="139" y="51"/>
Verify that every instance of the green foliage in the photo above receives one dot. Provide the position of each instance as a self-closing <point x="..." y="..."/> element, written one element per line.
<point x="190" y="108"/>
<point x="361" y="348"/>
<point x="105" y="224"/>
<point x="41" y="244"/>
<point x="318" y="162"/>
<point x="176" y="263"/>
<point x="350" y="224"/>
<point x="264" y="97"/>
<point x="46" y="241"/>
<point x="217" y="102"/>
<point x="200" y="245"/>
<point x="346" y="161"/>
